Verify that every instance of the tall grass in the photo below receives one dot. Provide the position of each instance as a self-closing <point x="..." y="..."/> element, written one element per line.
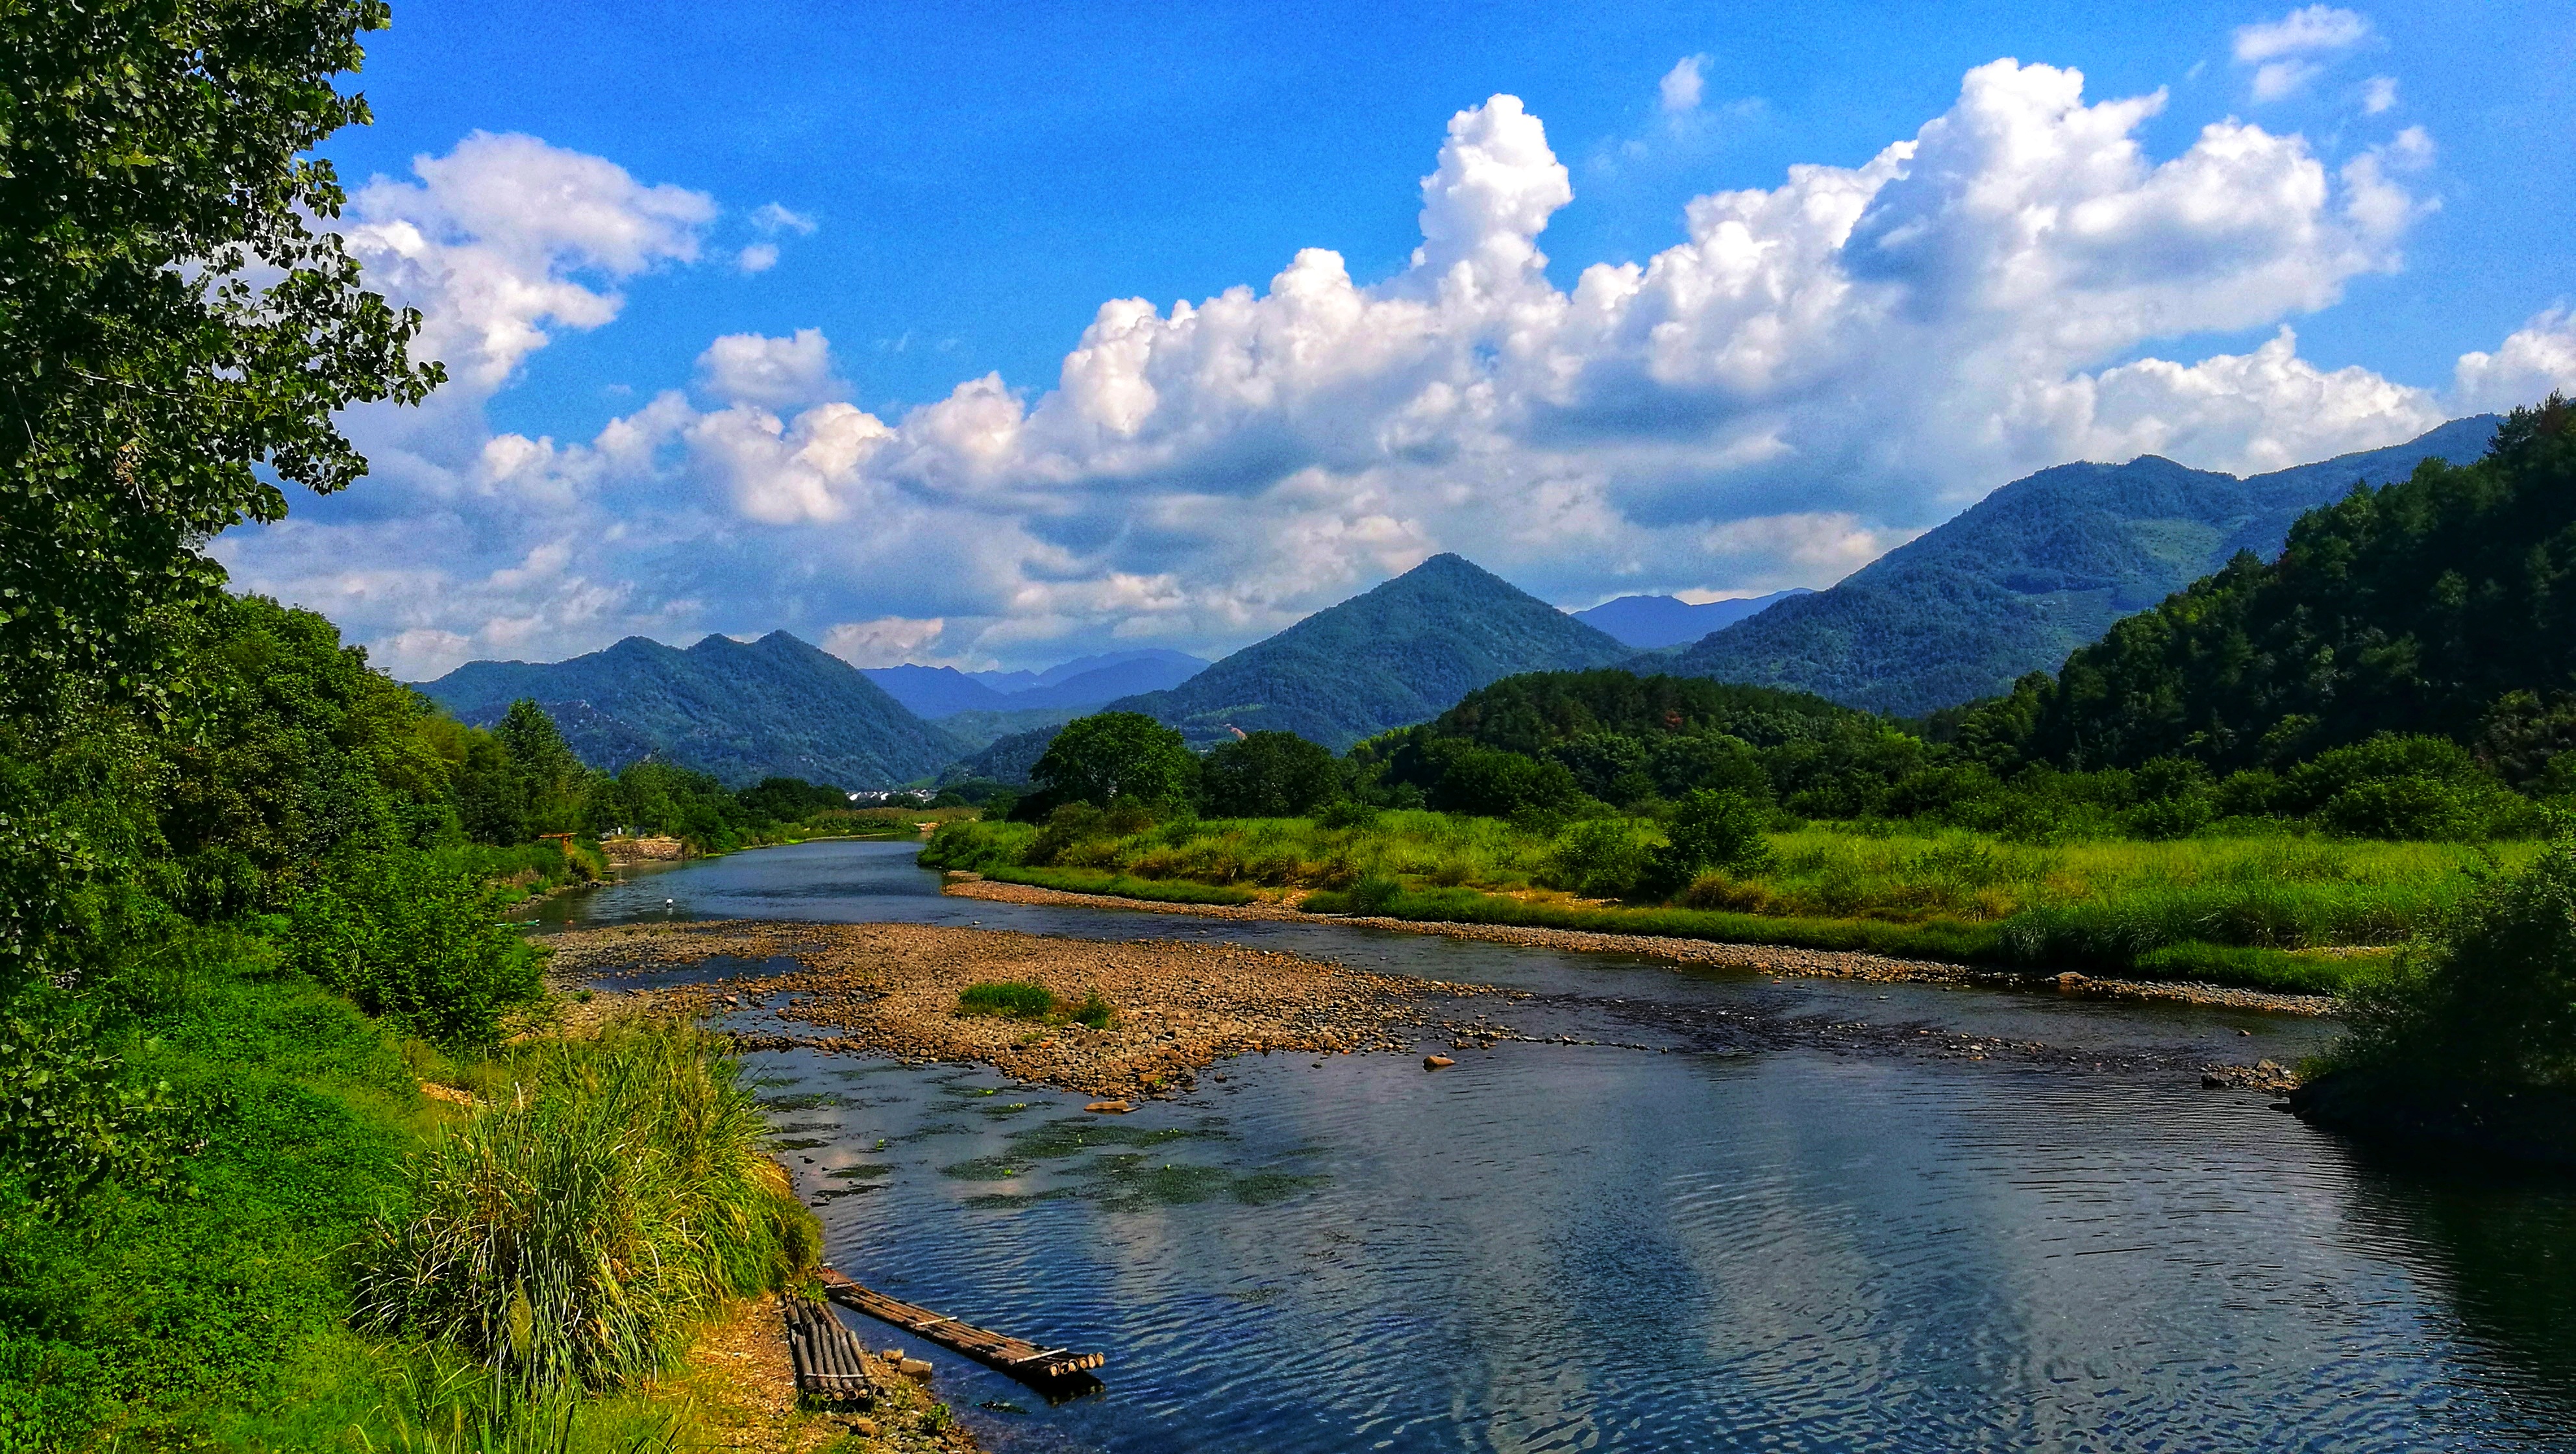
<point x="568" y="1235"/>
<point x="2231" y="909"/>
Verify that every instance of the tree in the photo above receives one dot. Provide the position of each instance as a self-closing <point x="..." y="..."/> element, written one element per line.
<point x="1116" y="757"/>
<point x="1710" y="829"/>
<point x="1269" y="775"/>
<point x="174" y="337"/>
<point x="551" y="779"/>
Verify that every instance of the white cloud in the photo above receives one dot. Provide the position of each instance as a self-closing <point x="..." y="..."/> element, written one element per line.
<point x="2304" y="31"/>
<point x="1680" y="88"/>
<point x="2283" y="51"/>
<point x="760" y="257"/>
<point x="2537" y="360"/>
<point x="1814" y="373"/>
<point x="505" y="234"/>
<point x="773" y="219"/>
<point x="886" y="641"/>
<point x="2379" y="94"/>
<point x="774" y="373"/>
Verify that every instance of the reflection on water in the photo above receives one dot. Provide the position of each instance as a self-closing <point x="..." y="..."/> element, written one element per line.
<point x="1563" y="1247"/>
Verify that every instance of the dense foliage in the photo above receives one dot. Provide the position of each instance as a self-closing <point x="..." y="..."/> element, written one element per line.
<point x="2491" y="998"/>
<point x="175" y="336"/>
<point x="2441" y="606"/>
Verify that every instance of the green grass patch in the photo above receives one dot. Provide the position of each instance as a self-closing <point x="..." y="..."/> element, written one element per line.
<point x="1011" y="999"/>
<point x="1121" y="885"/>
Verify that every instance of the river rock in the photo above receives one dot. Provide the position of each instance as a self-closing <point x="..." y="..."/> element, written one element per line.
<point x="1436" y="1062"/>
<point x="1109" y="1108"/>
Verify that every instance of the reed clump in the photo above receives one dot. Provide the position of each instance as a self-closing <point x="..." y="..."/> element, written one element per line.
<point x="569" y="1234"/>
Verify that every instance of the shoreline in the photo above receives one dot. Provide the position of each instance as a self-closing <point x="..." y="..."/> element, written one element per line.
<point x="1761" y="958"/>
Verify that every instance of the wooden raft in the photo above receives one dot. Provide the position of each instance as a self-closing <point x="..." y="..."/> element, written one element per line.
<point x="830" y="1365"/>
<point x="1022" y="1360"/>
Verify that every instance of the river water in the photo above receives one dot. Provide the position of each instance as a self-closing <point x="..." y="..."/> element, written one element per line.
<point x="1814" y="1242"/>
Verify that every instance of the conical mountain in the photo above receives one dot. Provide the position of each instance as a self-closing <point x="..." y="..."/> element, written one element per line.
<point x="2036" y="569"/>
<point x="1402" y="653"/>
<point x="776" y="707"/>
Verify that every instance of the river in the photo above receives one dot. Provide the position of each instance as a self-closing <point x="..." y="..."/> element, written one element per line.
<point x="1677" y="1248"/>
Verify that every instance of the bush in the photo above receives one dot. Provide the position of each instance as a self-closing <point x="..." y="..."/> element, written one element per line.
<point x="568" y="1235"/>
<point x="1598" y="857"/>
<point x="1093" y="1011"/>
<point x="1710" y="829"/>
<point x="413" y="940"/>
<point x="1012" y="999"/>
<point x="2493" y="997"/>
<point x="1374" y="894"/>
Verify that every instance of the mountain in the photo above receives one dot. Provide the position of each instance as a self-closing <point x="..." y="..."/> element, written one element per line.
<point x="932" y="692"/>
<point x="2437" y="605"/>
<point x="1073" y="687"/>
<point x="1647" y="622"/>
<point x="1399" y="654"/>
<point x="776" y="707"/>
<point x="2031" y="572"/>
<point x="1183" y="664"/>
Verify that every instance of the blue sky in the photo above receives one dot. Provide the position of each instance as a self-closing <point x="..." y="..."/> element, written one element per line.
<point x="964" y="187"/>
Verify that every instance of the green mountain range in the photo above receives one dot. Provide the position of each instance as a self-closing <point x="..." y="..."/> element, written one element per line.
<point x="1400" y="654"/>
<point x="2441" y="605"/>
<point x="2036" y="569"/>
<point x="775" y="707"/>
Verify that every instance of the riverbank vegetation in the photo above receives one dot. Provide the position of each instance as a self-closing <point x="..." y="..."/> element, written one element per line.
<point x="258" y="1025"/>
<point x="2284" y="765"/>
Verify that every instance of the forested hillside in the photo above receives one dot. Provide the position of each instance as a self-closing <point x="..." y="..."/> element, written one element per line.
<point x="2444" y="605"/>
<point x="2036" y="569"/>
<point x="775" y="707"/>
<point x="1401" y="653"/>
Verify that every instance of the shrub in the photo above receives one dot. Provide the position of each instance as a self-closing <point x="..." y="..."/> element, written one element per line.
<point x="1598" y="857"/>
<point x="408" y="938"/>
<point x="1374" y="894"/>
<point x="2491" y="998"/>
<point x="567" y="1235"/>
<point x="1710" y="829"/>
<point x="1012" y="999"/>
<point x="1093" y="1011"/>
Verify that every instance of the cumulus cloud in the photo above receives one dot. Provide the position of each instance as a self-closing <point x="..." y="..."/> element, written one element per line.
<point x="1814" y="373"/>
<point x="1680" y="88"/>
<point x="2535" y="361"/>
<point x="2378" y="94"/>
<point x="506" y="234"/>
<point x="759" y="257"/>
<point x="2285" y="52"/>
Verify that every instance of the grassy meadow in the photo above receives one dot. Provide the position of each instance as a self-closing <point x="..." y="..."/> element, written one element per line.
<point x="2252" y="909"/>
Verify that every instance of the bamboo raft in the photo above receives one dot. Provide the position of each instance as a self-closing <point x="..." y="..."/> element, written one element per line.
<point x="830" y="1365"/>
<point x="1022" y="1360"/>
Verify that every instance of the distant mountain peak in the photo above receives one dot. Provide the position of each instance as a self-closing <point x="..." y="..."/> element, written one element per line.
<point x="741" y="711"/>
<point x="2037" y="568"/>
<point x="1398" y="653"/>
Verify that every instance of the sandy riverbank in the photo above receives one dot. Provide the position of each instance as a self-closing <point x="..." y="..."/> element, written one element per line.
<point x="1771" y="959"/>
<point x="891" y="989"/>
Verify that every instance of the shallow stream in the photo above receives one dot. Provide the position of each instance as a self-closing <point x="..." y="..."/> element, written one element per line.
<point x="1822" y="1237"/>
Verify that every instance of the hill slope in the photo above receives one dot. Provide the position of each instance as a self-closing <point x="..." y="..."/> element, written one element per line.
<point x="2033" y="571"/>
<point x="2437" y="605"/>
<point x="775" y="707"/>
<point x="1399" y="654"/>
<point x="1648" y="622"/>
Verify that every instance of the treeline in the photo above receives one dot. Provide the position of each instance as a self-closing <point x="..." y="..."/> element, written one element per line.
<point x="2405" y="670"/>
